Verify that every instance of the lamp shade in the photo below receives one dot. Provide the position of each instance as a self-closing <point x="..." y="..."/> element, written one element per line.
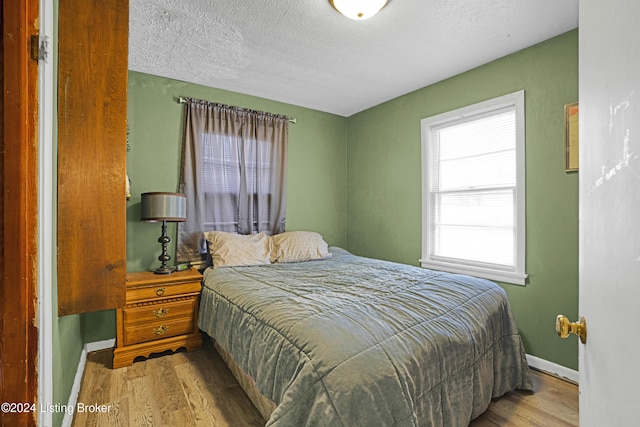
<point x="158" y="206"/>
<point x="358" y="9"/>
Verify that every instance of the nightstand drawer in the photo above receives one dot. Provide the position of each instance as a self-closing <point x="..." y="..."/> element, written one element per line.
<point x="158" y="330"/>
<point x="164" y="310"/>
<point x="162" y="291"/>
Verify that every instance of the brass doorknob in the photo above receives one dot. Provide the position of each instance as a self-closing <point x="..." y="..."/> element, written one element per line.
<point x="564" y="328"/>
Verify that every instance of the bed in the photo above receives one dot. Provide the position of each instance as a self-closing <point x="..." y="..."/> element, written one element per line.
<point x="351" y="341"/>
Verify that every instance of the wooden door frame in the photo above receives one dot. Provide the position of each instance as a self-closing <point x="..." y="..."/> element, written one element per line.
<point x="19" y="206"/>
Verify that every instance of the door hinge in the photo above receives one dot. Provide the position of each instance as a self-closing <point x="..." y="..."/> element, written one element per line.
<point x="39" y="48"/>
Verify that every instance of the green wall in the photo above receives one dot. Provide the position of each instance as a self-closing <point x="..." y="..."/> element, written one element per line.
<point x="67" y="342"/>
<point x="384" y="181"/>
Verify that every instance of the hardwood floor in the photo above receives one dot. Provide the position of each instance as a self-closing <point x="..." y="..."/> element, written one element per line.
<point x="197" y="389"/>
<point x="553" y="403"/>
<point x="177" y="389"/>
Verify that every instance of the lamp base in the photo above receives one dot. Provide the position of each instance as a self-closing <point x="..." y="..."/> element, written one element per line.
<point x="164" y="270"/>
<point x="164" y="257"/>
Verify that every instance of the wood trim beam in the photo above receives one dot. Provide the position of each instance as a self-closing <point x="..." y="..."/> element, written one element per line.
<point x="19" y="260"/>
<point x="92" y="155"/>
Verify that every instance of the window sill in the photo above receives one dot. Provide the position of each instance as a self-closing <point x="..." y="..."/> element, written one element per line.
<point x="485" y="273"/>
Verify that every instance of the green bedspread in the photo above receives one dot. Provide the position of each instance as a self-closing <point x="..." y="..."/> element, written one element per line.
<point x="352" y="341"/>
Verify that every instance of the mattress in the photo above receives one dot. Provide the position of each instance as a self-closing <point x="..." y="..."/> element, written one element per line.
<point x="350" y="341"/>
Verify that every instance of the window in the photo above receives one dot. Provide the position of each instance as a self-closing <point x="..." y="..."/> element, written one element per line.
<point x="225" y="160"/>
<point x="474" y="191"/>
<point x="234" y="167"/>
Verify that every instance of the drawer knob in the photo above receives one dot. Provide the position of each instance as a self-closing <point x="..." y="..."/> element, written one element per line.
<point x="161" y="312"/>
<point x="160" y="330"/>
<point x="160" y="291"/>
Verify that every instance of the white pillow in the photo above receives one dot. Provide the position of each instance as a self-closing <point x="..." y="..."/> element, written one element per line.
<point x="298" y="246"/>
<point x="234" y="250"/>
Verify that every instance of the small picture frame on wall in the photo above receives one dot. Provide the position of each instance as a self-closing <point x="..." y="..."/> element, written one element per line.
<point x="571" y="137"/>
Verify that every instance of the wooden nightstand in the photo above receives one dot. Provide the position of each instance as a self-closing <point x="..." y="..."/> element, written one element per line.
<point x="161" y="313"/>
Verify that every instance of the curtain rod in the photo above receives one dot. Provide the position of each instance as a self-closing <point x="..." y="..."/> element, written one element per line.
<point x="183" y="100"/>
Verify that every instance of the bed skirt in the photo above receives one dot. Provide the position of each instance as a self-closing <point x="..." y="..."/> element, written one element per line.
<point x="263" y="404"/>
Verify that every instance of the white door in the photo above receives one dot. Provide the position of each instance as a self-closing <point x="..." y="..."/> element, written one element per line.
<point x="609" y="75"/>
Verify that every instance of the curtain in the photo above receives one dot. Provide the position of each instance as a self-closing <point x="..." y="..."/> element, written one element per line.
<point x="233" y="173"/>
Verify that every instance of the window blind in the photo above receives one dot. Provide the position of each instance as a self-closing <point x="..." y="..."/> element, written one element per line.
<point x="473" y="188"/>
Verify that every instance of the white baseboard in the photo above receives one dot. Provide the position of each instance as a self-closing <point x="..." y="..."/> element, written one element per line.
<point x="75" y="390"/>
<point x="553" y="368"/>
<point x="100" y="345"/>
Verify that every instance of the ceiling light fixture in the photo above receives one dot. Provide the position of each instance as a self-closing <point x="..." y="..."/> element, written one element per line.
<point x="358" y="9"/>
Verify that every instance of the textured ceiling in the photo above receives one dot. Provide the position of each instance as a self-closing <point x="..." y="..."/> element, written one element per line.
<point x="303" y="52"/>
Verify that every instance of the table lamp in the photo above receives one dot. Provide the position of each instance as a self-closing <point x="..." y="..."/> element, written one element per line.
<point x="163" y="207"/>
